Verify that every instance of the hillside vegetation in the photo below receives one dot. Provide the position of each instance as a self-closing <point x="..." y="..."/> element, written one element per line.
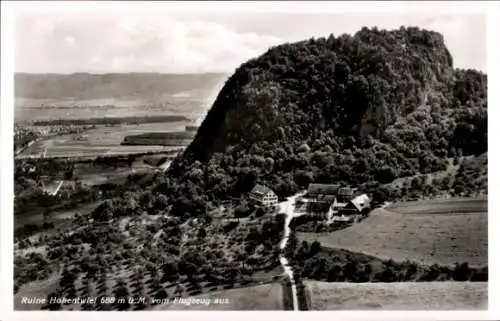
<point x="367" y="108"/>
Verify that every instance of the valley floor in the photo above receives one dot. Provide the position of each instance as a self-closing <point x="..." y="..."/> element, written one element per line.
<point x="399" y="296"/>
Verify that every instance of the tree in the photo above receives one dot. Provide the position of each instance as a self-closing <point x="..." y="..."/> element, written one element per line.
<point x="202" y="233"/>
<point x="303" y="178"/>
<point x="242" y="210"/>
<point x="121" y="295"/>
<point x="315" y="248"/>
<point x="161" y="294"/>
<point x="380" y="195"/>
<point x="68" y="175"/>
<point x="461" y="272"/>
<point x="416" y="184"/>
<point x="385" y="174"/>
<point x="179" y="289"/>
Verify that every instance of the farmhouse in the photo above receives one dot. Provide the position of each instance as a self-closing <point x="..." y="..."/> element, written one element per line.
<point x="263" y="195"/>
<point x="322" y="193"/>
<point x="320" y="198"/>
<point x="358" y="205"/>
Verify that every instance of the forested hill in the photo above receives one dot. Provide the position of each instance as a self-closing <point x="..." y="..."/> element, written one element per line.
<point x="370" y="107"/>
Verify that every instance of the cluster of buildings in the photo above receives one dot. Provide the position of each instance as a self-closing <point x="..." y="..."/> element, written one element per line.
<point x="326" y="201"/>
<point x="331" y="201"/>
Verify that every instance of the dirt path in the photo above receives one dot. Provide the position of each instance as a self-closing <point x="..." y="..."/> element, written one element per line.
<point x="54" y="193"/>
<point x="287" y="209"/>
<point x="164" y="167"/>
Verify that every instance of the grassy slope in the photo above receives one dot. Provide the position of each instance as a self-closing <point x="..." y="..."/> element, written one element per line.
<point x="399" y="296"/>
<point x="260" y="297"/>
<point x="423" y="238"/>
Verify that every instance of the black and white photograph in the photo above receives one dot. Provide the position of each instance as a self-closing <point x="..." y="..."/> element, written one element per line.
<point x="184" y="160"/>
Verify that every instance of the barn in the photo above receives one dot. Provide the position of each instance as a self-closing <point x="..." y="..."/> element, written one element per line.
<point x="358" y="205"/>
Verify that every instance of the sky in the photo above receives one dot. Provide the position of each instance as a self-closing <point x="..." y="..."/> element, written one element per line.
<point x="197" y="42"/>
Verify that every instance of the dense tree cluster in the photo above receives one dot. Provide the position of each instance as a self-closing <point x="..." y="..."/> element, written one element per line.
<point x="31" y="267"/>
<point x="311" y="261"/>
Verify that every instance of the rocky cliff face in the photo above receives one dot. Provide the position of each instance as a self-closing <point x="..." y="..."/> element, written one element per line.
<point x="353" y="85"/>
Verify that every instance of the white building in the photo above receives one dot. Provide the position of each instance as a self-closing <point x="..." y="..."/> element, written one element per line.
<point x="263" y="195"/>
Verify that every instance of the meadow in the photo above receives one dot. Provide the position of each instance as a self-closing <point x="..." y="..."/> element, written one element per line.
<point x="398" y="296"/>
<point x="258" y="297"/>
<point x="426" y="232"/>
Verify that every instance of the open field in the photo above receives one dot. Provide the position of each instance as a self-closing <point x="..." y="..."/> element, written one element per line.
<point x="442" y="206"/>
<point x="399" y="296"/>
<point x="260" y="297"/>
<point x="457" y="233"/>
<point x="21" y="220"/>
<point x="104" y="140"/>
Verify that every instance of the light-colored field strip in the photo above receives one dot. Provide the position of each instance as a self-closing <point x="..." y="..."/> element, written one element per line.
<point x="399" y="296"/>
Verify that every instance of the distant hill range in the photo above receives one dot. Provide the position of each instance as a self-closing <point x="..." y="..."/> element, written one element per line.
<point x="143" y="86"/>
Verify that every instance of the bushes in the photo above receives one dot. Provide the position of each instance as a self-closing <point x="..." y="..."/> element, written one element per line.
<point x="311" y="223"/>
<point x="461" y="272"/>
<point x="333" y="265"/>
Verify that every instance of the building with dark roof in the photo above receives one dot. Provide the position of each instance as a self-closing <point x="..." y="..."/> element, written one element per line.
<point x="316" y="191"/>
<point x="263" y="195"/>
<point x="345" y="194"/>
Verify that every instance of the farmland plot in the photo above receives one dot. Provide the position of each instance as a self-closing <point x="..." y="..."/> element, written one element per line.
<point x="449" y="233"/>
<point x="399" y="296"/>
<point x="259" y="297"/>
<point x="104" y="140"/>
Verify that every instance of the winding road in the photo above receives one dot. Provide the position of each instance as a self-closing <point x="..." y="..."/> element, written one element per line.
<point x="287" y="208"/>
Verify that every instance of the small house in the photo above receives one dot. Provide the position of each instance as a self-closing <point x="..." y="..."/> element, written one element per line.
<point x="263" y="195"/>
<point x="358" y="205"/>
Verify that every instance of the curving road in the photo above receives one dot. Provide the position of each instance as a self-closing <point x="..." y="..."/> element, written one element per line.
<point x="287" y="208"/>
